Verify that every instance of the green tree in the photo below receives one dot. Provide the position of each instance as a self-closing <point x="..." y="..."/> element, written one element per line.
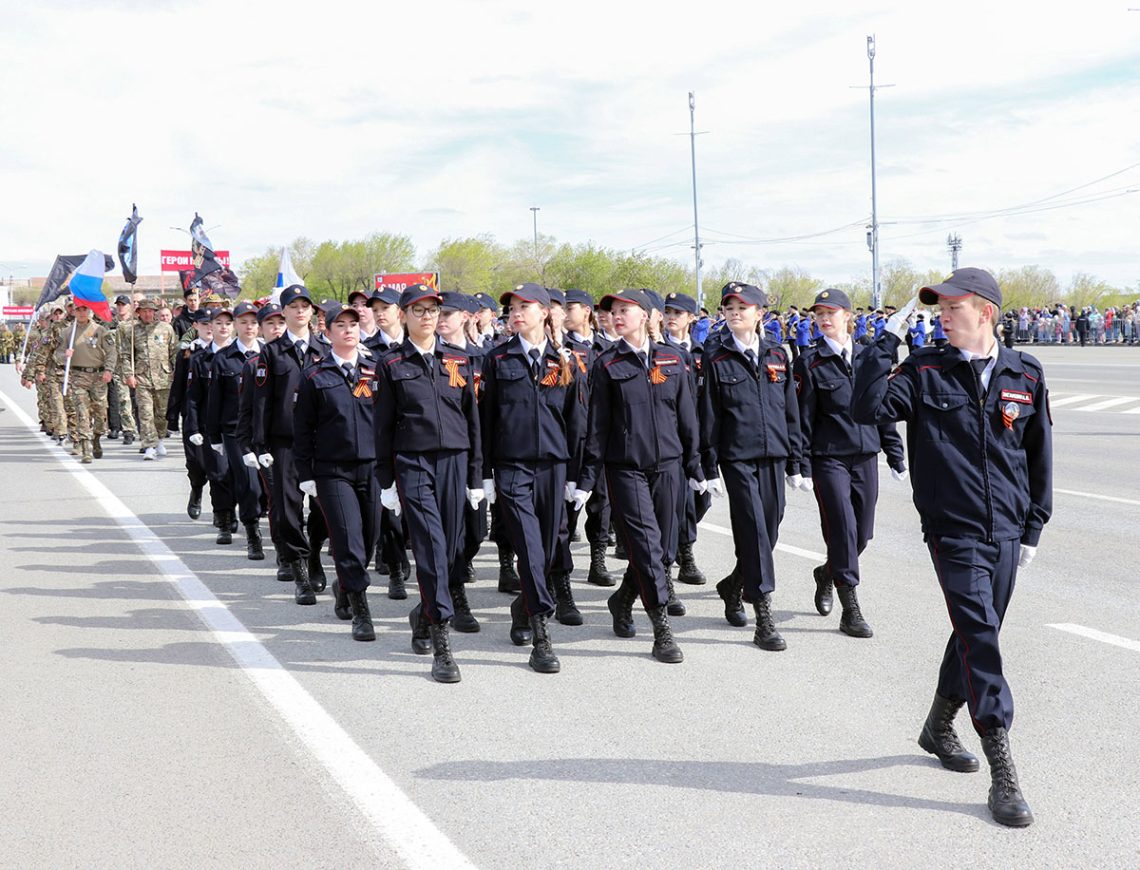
<point x="791" y="285"/>
<point x="468" y="264"/>
<point x="1086" y="289"/>
<point x="1028" y="286"/>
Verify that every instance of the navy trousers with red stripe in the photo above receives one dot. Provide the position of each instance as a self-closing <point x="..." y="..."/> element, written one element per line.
<point x="977" y="581"/>
<point x="645" y="515"/>
<point x="350" y="501"/>
<point x="532" y="507"/>
<point x="755" y="490"/>
<point x="846" y="489"/>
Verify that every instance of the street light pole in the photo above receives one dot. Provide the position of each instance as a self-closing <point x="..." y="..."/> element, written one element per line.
<point x="954" y="242"/>
<point x="696" y="223"/>
<point x="876" y="289"/>
<point x="534" y="210"/>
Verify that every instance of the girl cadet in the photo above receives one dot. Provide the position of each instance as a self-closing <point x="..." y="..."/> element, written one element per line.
<point x="427" y="447"/>
<point x="841" y="456"/>
<point x="750" y="428"/>
<point x="335" y="458"/>
<point x="533" y="414"/>
<point x="642" y="434"/>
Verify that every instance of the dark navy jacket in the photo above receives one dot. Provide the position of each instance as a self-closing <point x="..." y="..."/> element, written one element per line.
<point x="426" y="406"/>
<point x="980" y="469"/>
<point x="528" y="420"/>
<point x="197" y="391"/>
<point x="823" y="386"/>
<point x="640" y="419"/>
<point x="275" y="383"/>
<point x="748" y="415"/>
<point x="243" y="432"/>
<point x="332" y="420"/>
<point x="177" y="401"/>
<point x="225" y="383"/>
<point x="693" y="356"/>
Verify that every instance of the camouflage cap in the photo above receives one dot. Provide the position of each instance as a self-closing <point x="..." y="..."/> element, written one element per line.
<point x="147" y="303"/>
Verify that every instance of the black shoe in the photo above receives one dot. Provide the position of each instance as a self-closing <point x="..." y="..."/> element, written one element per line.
<point x="397" y="590"/>
<point x="362" y="628"/>
<point x="463" y="621"/>
<point x="285" y="571"/>
<point x="665" y="649"/>
<point x="939" y="738"/>
<point x="851" y="621"/>
<point x="674" y="605"/>
<point x="470" y="578"/>
<point x="303" y="593"/>
<point x="766" y="636"/>
<point x="509" y="581"/>
<point x="128" y="439"/>
<point x="421" y="636"/>
<point x="233" y="522"/>
<point x="1006" y="804"/>
<point x="620" y="553"/>
<point x="253" y="550"/>
<point x="96" y="448"/>
<point x="822" y="589"/>
<point x="565" y="610"/>
<point x="194" y="506"/>
<point x="341" y="607"/>
<point x="620" y="605"/>
<point x="542" y="657"/>
<point x="730" y="590"/>
<point x="113" y="435"/>
<point x="598" y="575"/>
<point x="381" y="566"/>
<point x="689" y="573"/>
<point x="317" y="577"/>
<point x="443" y="666"/>
<point x="575" y="537"/>
<point x="225" y="534"/>
<point x="520" y="623"/>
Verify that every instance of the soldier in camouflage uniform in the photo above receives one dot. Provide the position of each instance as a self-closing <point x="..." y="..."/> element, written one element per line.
<point x="124" y="341"/>
<point x="26" y="366"/>
<point x="148" y="370"/>
<point x="93" y="356"/>
<point x="7" y="343"/>
<point x="49" y="375"/>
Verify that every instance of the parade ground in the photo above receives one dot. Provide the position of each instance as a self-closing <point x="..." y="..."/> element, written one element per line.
<point x="166" y="704"/>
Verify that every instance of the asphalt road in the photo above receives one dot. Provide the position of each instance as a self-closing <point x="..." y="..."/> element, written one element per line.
<point x="166" y="703"/>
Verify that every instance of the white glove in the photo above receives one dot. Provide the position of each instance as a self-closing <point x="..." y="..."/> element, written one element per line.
<point x="266" y="460"/>
<point x="1027" y="554"/>
<point x="568" y="490"/>
<point x="900" y="476"/>
<point x="196" y="439"/>
<point x="474" y="496"/>
<point x="897" y="322"/>
<point x="249" y="460"/>
<point x="390" y="499"/>
<point x="795" y="481"/>
<point x="489" y="489"/>
<point x="308" y="487"/>
<point x="218" y="448"/>
<point x="698" y="486"/>
<point x="806" y="485"/>
<point x="715" y="488"/>
<point x="580" y="498"/>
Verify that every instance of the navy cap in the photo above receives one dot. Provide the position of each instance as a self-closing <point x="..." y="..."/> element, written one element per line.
<point x="456" y="301"/>
<point x="200" y="316"/>
<point x="656" y="299"/>
<point x="335" y="309"/>
<point x="122" y="300"/>
<point x="215" y="313"/>
<point x="681" y="302"/>
<point x="269" y="309"/>
<point x="749" y="294"/>
<point x="244" y="308"/>
<point x="832" y="298"/>
<point x="417" y="293"/>
<point x="963" y="282"/>
<point x="579" y="296"/>
<point x="387" y="295"/>
<point x="356" y="293"/>
<point x="528" y="292"/>
<point x="557" y="297"/>
<point x="294" y="292"/>
<point x="637" y="297"/>
<point x="485" y="300"/>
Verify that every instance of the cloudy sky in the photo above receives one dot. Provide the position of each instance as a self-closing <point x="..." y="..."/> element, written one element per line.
<point x="334" y="119"/>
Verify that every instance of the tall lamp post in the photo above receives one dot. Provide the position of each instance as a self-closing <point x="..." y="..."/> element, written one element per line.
<point x="534" y="210"/>
<point x="954" y="243"/>
<point x="873" y="236"/>
<point x="696" y="224"/>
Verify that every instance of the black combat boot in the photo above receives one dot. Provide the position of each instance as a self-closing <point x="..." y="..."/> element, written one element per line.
<point x="598" y="575"/>
<point x="620" y="605"/>
<point x="225" y="536"/>
<point x="421" y="637"/>
<point x="565" y="610"/>
<point x="397" y="576"/>
<point x="464" y="621"/>
<point x="253" y="550"/>
<point x="341" y="607"/>
<point x="766" y="636"/>
<point x="303" y="593"/>
<point x="674" y="605"/>
<point x="194" y="506"/>
<point x="542" y="657"/>
<point x="113" y="435"/>
<point x="520" y="623"/>
<point x="730" y="590"/>
<point x="665" y="649"/>
<point x="361" y="617"/>
<point x="443" y="666"/>
<point x="96" y="448"/>
<point x="822" y="589"/>
<point x="470" y="577"/>
<point x="285" y="572"/>
<point x="619" y="551"/>
<point x="1006" y="804"/>
<point x="508" y="575"/>
<point x="317" y="577"/>
<point x="851" y="621"/>
<point x="128" y="438"/>
<point x="939" y="738"/>
<point x="689" y="573"/>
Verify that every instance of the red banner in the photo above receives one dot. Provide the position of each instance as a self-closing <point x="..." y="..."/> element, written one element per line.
<point x="405" y="280"/>
<point x="179" y="261"/>
<point x="21" y="311"/>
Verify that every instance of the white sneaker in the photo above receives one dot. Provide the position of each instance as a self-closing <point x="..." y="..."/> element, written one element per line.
<point x="149" y="454"/>
<point x="161" y="450"/>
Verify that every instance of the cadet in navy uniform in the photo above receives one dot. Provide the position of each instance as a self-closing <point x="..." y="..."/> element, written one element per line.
<point x="980" y="441"/>
<point x="428" y="448"/>
<point x="533" y="416"/>
<point x="642" y="434"/>
<point x="841" y="456"/>
<point x="334" y="455"/>
<point x="176" y="409"/>
<point x="750" y="429"/>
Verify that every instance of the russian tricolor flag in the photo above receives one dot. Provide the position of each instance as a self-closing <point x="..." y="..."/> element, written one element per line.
<point x="87" y="286"/>
<point x="286" y="275"/>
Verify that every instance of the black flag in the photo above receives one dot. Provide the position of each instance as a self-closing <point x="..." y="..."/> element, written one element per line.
<point x="128" y="247"/>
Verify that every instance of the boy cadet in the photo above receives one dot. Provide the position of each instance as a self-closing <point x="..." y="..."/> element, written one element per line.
<point x="979" y="435"/>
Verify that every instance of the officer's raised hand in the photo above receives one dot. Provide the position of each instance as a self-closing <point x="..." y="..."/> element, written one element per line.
<point x="390" y="499"/>
<point x="897" y="322"/>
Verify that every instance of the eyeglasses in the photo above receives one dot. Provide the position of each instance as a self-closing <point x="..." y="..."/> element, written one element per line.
<point x="425" y="311"/>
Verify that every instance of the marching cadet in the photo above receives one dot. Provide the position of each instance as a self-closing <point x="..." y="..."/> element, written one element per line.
<point x="124" y="342"/>
<point x="533" y="415"/>
<point x="979" y="435"/>
<point x="93" y="357"/>
<point x="750" y="429"/>
<point x="429" y="458"/>
<point x="277" y="377"/>
<point x="483" y="324"/>
<point x="642" y="434"/>
<point x="148" y="368"/>
<point x="335" y="459"/>
<point x="841" y="456"/>
<point x="176" y="409"/>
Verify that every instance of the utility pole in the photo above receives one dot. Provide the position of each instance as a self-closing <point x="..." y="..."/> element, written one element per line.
<point x="534" y="210"/>
<point x="954" y="243"/>
<point x="876" y="289"/>
<point x="696" y="223"/>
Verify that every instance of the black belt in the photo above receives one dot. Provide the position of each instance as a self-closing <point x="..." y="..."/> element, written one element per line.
<point x="86" y="369"/>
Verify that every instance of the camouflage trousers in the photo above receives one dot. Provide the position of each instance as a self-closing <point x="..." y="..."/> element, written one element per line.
<point x="62" y="408"/>
<point x="43" y="403"/>
<point x="89" y="395"/>
<point x="152" y="414"/>
<point x="126" y="414"/>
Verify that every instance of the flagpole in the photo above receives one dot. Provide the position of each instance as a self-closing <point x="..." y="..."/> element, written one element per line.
<point x="24" y="349"/>
<point x="70" y="348"/>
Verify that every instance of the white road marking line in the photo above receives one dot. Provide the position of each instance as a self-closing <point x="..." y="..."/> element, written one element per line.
<point x="401" y="824"/>
<point x="1107" y="403"/>
<point x="1102" y="636"/>
<point x="1069" y="400"/>
<point x="1098" y="497"/>
<point x="785" y="548"/>
<point x="1135" y="410"/>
